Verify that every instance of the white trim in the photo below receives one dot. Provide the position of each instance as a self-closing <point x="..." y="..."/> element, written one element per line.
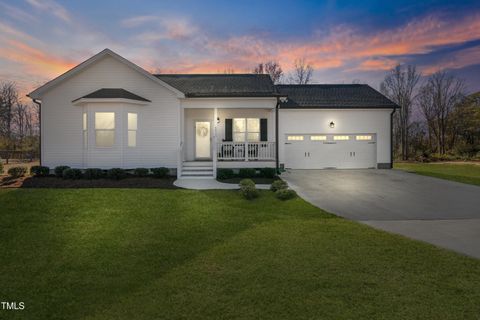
<point x="37" y="93"/>
<point x="108" y="100"/>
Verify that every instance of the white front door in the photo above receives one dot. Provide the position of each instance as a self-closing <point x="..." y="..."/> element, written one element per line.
<point x="202" y="140"/>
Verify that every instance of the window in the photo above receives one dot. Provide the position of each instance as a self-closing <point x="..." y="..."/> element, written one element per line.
<point x="132" y="129"/>
<point x="246" y="129"/>
<point x="85" y="131"/>
<point x="318" y="138"/>
<point x="104" y="129"/>
<point x="341" y="138"/>
<point x="363" y="137"/>
<point x="295" y="138"/>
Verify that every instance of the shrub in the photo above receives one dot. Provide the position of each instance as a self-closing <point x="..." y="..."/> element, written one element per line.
<point x="247" y="183"/>
<point x="278" y="185"/>
<point x="268" y="172"/>
<point x="249" y="192"/>
<point x="247" y="173"/>
<point x="116" y="173"/>
<point x="17" y="172"/>
<point x="59" y="170"/>
<point x="223" y="174"/>
<point x="1" y="167"/>
<point x="141" y="172"/>
<point x="72" y="174"/>
<point x="93" y="173"/>
<point x="39" y="171"/>
<point x="285" y="194"/>
<point x="161" y="172"/>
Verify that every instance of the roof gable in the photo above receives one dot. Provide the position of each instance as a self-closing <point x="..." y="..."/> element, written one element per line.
<point x="37" y="93"/>
<point x="331" y="96"/>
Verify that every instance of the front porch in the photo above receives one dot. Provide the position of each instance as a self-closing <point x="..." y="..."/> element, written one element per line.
<point x="226" y="138"/>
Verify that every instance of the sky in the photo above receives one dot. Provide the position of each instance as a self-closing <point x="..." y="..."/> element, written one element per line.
<point x="344" y="41"/>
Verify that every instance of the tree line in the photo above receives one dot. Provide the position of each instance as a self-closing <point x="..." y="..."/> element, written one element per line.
<point x="19" y="124"/>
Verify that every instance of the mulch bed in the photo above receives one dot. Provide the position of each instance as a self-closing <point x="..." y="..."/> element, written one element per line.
<point x="54" y="182"/>
<point x="257" y="180"/>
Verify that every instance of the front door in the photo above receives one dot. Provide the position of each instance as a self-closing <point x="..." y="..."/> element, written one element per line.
<point x="202" y="140"/>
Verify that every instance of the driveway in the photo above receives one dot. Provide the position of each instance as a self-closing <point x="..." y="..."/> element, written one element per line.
<point x="441" y="212"/>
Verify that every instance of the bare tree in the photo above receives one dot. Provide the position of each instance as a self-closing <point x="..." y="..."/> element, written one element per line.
<point x="438" y="98"/>
<point x="271" y="68"/>
<point x="302" y="72"/>
<point x="399" y="85"/>
<point x="8" y="100"/>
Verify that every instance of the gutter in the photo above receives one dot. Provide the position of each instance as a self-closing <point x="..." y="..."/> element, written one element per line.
<point x="39" y="104"/>
<point x="391" y="138"/>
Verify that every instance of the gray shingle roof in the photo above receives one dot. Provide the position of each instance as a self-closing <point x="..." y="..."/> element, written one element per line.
<point x="333" y="96"/>
<point x="221" y="85"/>
<point x="112" y="93"/>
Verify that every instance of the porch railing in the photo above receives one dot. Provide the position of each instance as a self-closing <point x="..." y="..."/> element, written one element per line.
<point x="245" y="151"/>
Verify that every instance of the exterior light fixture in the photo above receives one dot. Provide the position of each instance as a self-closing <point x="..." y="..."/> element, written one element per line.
<point x="218" y="120"/>
<point x="332" y="124"/>
<point x="283" y="99"/>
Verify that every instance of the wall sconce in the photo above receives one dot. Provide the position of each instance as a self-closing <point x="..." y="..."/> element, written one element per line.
<point x="332" y="124"/>
<point x="218" y="120"/>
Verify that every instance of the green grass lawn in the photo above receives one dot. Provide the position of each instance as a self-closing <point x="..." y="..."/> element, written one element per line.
<point x="179" y="254"/>
<point x="460" y="172"/>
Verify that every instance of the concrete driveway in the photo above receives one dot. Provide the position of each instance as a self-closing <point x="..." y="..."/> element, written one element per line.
<point x="437" y="211"/>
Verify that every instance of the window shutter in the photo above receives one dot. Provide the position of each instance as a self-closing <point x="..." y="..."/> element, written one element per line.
<point x="263" y="130"/>
<point x="228" y="130"/>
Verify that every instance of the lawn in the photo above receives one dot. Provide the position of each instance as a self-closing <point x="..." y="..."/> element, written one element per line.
<point x="181" y="254"/>
<point x="460" y="172"/>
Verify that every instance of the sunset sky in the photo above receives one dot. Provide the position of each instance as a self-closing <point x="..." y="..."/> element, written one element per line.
<point x="343" y="40"/>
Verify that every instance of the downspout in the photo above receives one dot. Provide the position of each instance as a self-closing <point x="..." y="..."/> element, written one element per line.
<point x="39" y="104"/>
<point x="277" y="165"/>
<point x="391" y="138"/>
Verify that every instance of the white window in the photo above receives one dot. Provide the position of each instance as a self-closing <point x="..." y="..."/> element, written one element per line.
<point x="341" y="138"/>
<point x="246" y="129"/>
<point x="295" y="138"/>
<point x="104" y="129"/>
<point x="318" y="138"/>
<point x="85" y="130"/>
<point x="363" y="137"/>
<point x="132" y="129"/>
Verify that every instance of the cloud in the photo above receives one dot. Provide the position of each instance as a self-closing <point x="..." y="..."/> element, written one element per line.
<point x="458" y="60"/>
<point x="51" y="7"/>
<point x="17" y="14"/>
<point x="377" y="64"/>
<point x="164" y="28"/>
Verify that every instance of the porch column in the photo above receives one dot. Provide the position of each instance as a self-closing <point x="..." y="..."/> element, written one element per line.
<point x="214" y="149"/>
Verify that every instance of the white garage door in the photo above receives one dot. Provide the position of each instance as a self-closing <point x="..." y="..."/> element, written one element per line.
<point x="321" y="151"/>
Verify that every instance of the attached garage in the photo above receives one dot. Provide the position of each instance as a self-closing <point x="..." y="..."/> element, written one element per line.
<point x="327" y="151"/>
<point x="334" y="127"/>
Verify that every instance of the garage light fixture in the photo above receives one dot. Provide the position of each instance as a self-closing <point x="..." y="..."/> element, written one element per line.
<point x="332" y="124"/>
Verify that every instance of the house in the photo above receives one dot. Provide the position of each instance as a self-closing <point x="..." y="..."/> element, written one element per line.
<point x="108" y="112"/>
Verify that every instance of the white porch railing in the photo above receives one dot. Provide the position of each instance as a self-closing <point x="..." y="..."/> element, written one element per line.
<point x="245" y="151"/>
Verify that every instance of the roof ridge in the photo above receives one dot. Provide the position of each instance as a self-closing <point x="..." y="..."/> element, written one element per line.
<point x="210" y="74"/>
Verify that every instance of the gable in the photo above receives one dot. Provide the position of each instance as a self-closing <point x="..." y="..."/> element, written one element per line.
<point x="92" y="63"/>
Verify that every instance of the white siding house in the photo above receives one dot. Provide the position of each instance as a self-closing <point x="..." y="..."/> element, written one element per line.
<point x="107" y="112"/>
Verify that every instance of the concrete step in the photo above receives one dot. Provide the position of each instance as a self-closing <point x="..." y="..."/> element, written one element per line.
<point x="196" y="177"/>
<point x="197" y="173"/>
<point x="197" y="169"/>
<point x="197" y="164"/>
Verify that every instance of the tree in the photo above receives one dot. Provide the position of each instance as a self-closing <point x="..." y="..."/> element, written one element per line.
<point x="399" y="85"/>
<point x="271" y="68"/>
<point x="466" y="126"/>
<point x="8" y="100"/>
<point x="302" y="72"/>
<point x="438" y="99"/>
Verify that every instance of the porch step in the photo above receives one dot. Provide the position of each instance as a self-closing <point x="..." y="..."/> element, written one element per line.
<point x="197" y="170"/>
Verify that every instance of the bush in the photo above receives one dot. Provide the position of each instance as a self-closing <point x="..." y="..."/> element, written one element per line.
<point x="223" y="174"/>
<point x="249" y="192"/>
<point x="247" y="173"/>
<point x="285" y="194"/>
<point x="1" y="167"/>
<point x="116" y="174"/>
<point x="39" y="171"/>
<point x="161" y="172"/>
<point x="141" y="172"/>
<point x="17" y="172"/>
<point x="59" y="170"/>
<point x="278" y="185"/>
<point x="268" y="172"/>
<point x="247" y="183"/>
<point x="93" y="173"/>
<point x="72" y="174"/>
